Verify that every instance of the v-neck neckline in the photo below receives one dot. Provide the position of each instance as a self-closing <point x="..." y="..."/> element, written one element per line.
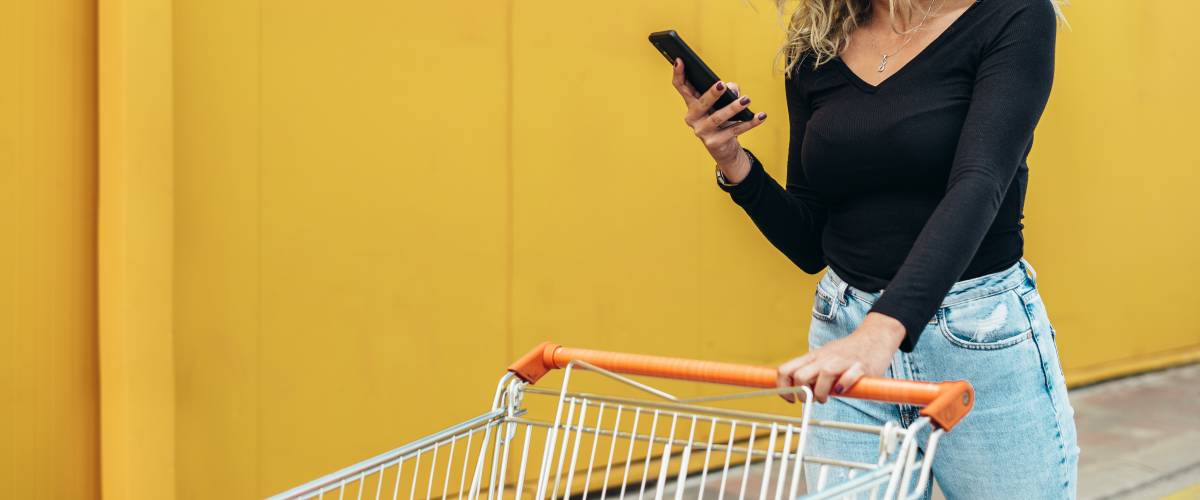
<point x="868" y="87"/>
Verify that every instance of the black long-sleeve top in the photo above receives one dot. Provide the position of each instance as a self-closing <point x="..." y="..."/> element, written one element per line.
<point x="918" y="182"/>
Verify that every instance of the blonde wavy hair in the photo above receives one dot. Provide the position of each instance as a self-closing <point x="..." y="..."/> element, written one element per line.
<point x="820" y="29"/>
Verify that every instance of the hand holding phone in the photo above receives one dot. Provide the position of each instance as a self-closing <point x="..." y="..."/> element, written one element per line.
<point x="697" y="74"/>
<point x="716" y="114"/>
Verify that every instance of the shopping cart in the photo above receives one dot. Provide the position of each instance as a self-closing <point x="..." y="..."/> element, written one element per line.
<point x="583" y="445"/>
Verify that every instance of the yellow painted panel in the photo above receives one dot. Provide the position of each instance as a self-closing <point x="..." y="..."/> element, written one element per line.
<point x="1127" y="365"/>
<point x="759" y="301"/>
<point x="621" y="239"/>
<point x="48" y="392"/>
<point x="1112" y="213"/>
<point x="216" y="248"/>
<point x="134" y="249"/>
<point x="606" y="220"/>
<point x="342" y="215"/>
<point x="369" y="193"/>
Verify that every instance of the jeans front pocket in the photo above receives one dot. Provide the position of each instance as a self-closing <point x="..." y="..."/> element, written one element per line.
<point x="986" y="323"/>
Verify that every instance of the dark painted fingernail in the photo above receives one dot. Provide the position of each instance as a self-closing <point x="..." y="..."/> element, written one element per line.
<point x="745" y="101"/>
<point x="720" y="86"/>
<point x="837" y="389"/>
<point x="762" y="116"/>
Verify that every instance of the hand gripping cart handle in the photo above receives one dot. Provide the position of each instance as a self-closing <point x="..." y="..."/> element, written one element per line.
<point x="944" y="403"/>
<point x="600" y="446"/>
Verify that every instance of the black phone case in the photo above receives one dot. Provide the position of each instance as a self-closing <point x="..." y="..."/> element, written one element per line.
<point x="671" y="46"/>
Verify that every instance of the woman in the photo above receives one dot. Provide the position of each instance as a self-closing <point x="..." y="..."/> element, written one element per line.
<point x="910" y="124"/>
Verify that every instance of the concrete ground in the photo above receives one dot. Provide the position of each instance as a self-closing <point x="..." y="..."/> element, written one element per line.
<point x="1140" y="436"/>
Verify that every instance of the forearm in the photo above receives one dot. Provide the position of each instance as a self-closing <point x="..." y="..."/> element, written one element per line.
<point x="791" y="221"/>
<point x="942" y="253"/>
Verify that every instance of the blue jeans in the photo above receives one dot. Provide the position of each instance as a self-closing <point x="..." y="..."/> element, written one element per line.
<point x="1018" y="441"/>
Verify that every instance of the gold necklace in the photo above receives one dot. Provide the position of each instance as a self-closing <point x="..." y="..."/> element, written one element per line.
<point x="883" y="61"/>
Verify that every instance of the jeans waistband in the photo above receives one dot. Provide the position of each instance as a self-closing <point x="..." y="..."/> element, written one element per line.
<point x="1020" y="273"/>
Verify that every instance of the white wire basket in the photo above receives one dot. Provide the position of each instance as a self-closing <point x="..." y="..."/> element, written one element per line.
<point x="583" y="445"/>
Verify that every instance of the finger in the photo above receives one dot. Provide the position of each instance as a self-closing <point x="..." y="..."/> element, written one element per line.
<point x="681" y="85"/>
<point x="784" y="375"/>
<point x="783" y="379"/>
<point x="733" y="87"/>
<point x="726" y="113"/>
<point x="794" y="363"/>
<point x="699" y="108"/>
<point x="826" y="376"/>
<point x="807" y="374"/>
<point x="740" y="128"/>
<point x="849" y="378"/>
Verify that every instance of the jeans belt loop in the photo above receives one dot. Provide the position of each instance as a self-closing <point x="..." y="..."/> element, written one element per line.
<point x="1029" y="271"/>
<point x="841" y="292"/>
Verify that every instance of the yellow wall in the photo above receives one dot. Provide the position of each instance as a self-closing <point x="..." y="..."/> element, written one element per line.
<point x="324" y="228"/>
<point x="379" y="204"/>
<point x="135" y="217"/>
<point x="317" y="266"/>
<point x="48" y="391"/>
<point x="1113" y="218"/>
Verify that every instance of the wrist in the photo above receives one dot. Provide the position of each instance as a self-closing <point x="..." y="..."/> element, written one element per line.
<point x="884" y="329"/>
<point x="735" y="171"/>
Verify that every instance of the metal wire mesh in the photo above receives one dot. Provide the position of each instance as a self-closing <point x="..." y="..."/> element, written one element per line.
<point x="588" y="446"/>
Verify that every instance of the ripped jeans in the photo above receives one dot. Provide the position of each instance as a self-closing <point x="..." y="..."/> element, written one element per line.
<point x="1019" y="440"/>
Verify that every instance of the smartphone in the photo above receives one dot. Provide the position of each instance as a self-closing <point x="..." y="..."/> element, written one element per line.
<point x="671" y="46"/>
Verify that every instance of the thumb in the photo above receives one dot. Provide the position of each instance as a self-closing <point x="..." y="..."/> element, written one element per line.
<point x="733" y="87"/>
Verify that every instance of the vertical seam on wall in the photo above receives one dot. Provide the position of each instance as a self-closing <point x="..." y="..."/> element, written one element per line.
<point x="258" y="260"/>
<point x="95" y="320"/>
<point x="508" y="195"/>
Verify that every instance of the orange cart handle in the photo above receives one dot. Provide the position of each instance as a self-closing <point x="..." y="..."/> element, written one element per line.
<point x="945" y="403"/>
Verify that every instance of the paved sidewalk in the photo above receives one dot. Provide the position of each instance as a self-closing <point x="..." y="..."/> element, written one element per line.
<point x="1140" y="436"/>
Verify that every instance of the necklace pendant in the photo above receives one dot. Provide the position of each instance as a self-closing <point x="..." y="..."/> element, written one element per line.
<point x="882" y="64"/>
